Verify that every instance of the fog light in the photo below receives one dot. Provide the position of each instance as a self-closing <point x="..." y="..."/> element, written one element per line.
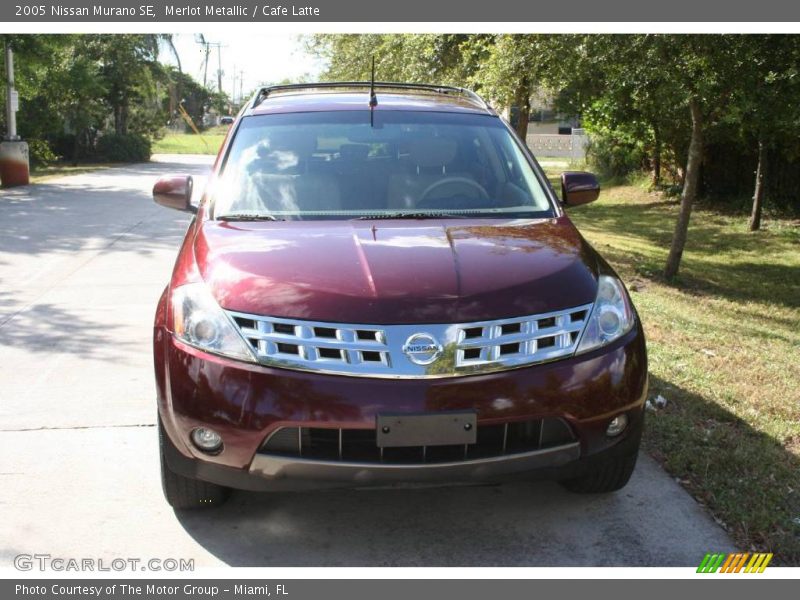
<point x="207" y="440"/>
<point x="617" y="426"/>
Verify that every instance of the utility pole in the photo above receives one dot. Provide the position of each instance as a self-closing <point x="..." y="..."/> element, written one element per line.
<point x="14" y="162"/>
<point x="12" y="99"/>
<point x="241" y="80"/>
<point x="233" y="92"/>
<point x="201" y="39"/>
<point x="205" y="66"/>
<point x="207" y="46"/>
<point x="219" y="68"/>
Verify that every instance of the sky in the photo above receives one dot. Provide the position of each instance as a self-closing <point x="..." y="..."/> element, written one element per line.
<point x="267" y="58"/>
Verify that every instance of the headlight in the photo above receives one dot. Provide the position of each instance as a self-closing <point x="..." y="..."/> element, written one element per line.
<point x="612" y="315"/>
<point x="200" y="322"/>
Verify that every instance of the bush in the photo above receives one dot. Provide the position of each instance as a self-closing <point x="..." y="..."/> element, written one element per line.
<point x="130" y="147"/>
<point x="74" y="148"/>
<point x="41" y="154"/>
<point x="615" y="157"/>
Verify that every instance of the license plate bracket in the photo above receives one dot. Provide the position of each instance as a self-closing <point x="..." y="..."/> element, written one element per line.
<point x="395" y="430"/>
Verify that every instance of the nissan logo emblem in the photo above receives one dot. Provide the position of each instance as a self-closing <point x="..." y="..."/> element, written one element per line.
<point x="422" y="349"/>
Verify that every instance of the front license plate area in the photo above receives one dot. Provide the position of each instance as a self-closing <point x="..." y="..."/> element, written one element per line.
<point x="396" y="430"/>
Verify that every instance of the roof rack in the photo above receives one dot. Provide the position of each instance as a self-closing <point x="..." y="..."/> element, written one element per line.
<point x="265" y="92"/>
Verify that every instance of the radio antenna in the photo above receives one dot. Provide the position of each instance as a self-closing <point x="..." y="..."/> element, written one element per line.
<point x="373" y="99"/>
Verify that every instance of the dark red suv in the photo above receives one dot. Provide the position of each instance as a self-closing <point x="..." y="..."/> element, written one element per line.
<point x="380" y="286"/>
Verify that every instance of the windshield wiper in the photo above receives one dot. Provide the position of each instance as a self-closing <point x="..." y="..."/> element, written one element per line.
<point x="248" y="217"/>
<point x="413" y="215"/>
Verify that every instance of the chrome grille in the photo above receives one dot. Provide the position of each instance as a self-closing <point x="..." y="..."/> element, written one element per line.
<point x="381" y="350"/>
<point x="318" y="346"/>
<point x="513" y="342"/>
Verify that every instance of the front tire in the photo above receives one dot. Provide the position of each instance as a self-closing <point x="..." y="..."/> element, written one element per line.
<point x="184" y="492"/>
<point x="609" y="475"/>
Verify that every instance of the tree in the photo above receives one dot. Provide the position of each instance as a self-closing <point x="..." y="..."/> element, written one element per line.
<point x="706" y="76"/>
<point x="689" y="193"/>
<point x="73" y="88"/>
<point x="411" y="58"/>
<point x="129" y="73"/>
<point x="514" y="67"/>
<point x="60" y="93"/>
<point x="623" y="88"/>
<point x="763" y="108"/>
<point x="666" y="86"/>
<point x="37" y="60"/>
<point x="194" y="98"/>
<point x="80" y="101"/>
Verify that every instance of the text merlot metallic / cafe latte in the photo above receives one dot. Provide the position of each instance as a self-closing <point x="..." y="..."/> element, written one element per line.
<point x="265" y="10"/>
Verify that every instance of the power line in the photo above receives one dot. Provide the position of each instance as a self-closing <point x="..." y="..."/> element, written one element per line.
<point x="207" y="46"/>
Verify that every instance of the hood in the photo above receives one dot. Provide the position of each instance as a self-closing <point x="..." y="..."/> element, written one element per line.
<point x="391" y="272"/>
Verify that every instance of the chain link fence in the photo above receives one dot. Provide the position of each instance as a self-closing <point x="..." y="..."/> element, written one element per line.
<point x="571" y="146"/>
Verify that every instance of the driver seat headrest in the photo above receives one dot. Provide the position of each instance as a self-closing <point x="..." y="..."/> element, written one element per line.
<point x="432" y="152"/>
<point x="302" y="144"/>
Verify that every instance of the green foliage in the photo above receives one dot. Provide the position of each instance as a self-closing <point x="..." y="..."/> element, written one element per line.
<point x="503" y="67"/>
<point x="514" y="66"/>
<point x="75" y="89"/>
<point x="123" y="147"/>
<point x="615" y="155"/>
<point x="129" y="72"/>
<point x="41" y="154"/>
<point x="413" y="58"/>
<point x="194" y="98"/>
<point x="220" y="102"/>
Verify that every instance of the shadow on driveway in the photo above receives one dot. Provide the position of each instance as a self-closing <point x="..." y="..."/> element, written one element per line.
<point x="650" y="522"/>
<point x="75" y="249"/>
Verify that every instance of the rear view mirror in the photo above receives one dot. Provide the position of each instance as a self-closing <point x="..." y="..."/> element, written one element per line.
<point x="175" y="191"/>
<point x="579" y="187"/>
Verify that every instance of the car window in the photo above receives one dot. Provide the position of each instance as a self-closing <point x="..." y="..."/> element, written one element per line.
<point x="320" y="165"/>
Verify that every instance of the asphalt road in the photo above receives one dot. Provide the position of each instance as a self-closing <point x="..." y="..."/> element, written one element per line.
<point x="83" y="260"/>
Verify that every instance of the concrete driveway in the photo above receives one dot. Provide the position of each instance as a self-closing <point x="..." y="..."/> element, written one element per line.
<point x="83" y="260"/>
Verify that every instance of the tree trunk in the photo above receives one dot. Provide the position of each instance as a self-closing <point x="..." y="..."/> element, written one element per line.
<point x="690" y="184"/>
<point x="758" y="194"/>
<point x="121" y="119"/>
<point x="656" y="158"/>
<point x="76" y="146"/>
<point x="125" y="119"/>
<point x="117" y="119"/>
<point x="523" y="102"/>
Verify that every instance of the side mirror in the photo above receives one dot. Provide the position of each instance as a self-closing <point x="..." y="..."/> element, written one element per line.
<point x="579" y="187"/>
<point x="175" y="191"/>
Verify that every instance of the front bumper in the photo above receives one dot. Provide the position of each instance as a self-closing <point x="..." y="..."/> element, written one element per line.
<point x="276" y="473"/>
<point x="245" y="403"/>
<point x="355" y="473"/>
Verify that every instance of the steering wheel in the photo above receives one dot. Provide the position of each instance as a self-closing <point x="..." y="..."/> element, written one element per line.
<point x="458" y="181"/>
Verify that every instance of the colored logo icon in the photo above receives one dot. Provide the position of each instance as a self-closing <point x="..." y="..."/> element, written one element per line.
<point x="737" y="562"/>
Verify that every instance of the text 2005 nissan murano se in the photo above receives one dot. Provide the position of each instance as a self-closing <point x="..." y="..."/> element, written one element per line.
<point x="382" y="287"/>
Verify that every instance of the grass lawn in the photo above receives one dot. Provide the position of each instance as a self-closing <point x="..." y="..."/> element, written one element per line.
<point x="724" y="350"/>
<point x="208" y="142"/>
<point x="41" y="174"/>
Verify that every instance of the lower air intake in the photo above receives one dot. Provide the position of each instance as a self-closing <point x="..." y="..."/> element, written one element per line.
<point x="360" y="445"/>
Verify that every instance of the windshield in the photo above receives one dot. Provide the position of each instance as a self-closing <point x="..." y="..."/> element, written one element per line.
<point x="335" y="165"/>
